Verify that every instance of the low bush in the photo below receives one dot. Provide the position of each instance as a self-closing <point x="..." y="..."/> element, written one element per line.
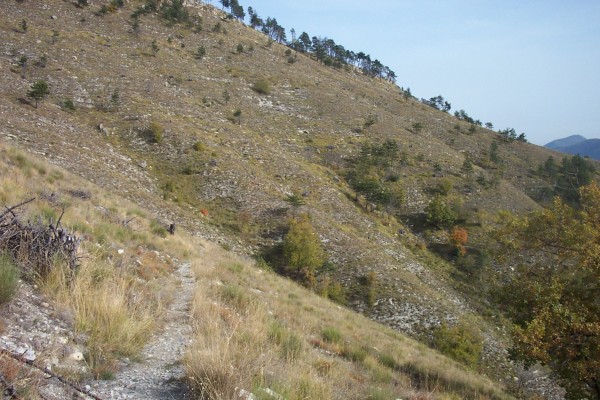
<point x="154" y="133"/>
<point x="68" y="105"/>
<point x="174" y="12"/>
<point x="461" y="342"/>
<point x="262" y="86"/>
<point x="440" y="214"/>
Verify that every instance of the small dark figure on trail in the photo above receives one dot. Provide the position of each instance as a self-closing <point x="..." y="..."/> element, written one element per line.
<point x="172" y="229"/>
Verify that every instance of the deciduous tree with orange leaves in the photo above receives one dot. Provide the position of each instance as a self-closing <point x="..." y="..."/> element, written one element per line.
<point x="459" y="238"/>
<point x="552" y="290"/>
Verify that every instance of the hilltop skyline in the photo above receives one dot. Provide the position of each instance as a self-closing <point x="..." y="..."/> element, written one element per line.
<point x="528" y="66"/>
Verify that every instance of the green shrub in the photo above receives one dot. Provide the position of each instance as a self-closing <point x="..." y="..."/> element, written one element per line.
<point x="370" y="283"/>
<point x="444" y="187"/>
<point x="9" y="279"/>
<point x="68" y="105"/>
<point x="23" y="61"/>
<point x="461" y="342"/>
<point x="154" y="133"/>
<point x="380" y="394"/>
<point x="170" y="187"/>
<point x="199" y="146"/>
<point x="417" y="127"/>
<point x="237" y="116"/>
<point x="200" y="53"/>
<point x="290" y="344"/>
<point x="263" y="264"/>
<point x="332" y="290"/>
<point x="21" y="161"/>
<point x="236" y="268"/>
<point x="102" y="11"/>
<point x="262" y="86"/>
<point x="440" y="214"/>
<point x="174" y="11"/>
<point x="154" y="47"/>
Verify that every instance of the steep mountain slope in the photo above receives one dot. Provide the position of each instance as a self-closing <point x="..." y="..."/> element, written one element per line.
<point x="147" y="315"/>
<point x="216" y="144"/>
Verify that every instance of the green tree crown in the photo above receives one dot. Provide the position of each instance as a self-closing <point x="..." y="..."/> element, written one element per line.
<point x="301" y="246"/>
<point x="38" y="91"/>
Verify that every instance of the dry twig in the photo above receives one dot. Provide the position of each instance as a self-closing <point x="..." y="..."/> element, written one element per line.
<point x="36" y="246"/>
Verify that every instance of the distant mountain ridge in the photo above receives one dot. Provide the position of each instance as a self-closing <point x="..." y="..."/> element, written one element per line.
<point x="577" y="144"/>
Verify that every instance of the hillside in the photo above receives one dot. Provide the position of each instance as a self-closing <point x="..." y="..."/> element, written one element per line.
<point x="153" y="316"/>
<point x="577" y="144"/>
<point x="217" y="142"/>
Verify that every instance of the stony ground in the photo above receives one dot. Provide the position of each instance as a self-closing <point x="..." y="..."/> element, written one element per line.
<point x="159" y="374"/>
<point x="40" y="333"/>
<point x="251" y="166"/>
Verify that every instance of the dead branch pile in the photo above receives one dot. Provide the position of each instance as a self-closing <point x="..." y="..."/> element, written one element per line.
<point x="36" y="246"/>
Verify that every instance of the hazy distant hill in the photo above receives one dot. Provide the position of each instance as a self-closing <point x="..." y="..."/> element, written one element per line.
<point x="560" y="144"/>
<point x="577" y="144"/>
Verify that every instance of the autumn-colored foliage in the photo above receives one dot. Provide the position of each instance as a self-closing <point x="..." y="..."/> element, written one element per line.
<point x="553" y="289"/>
<point x="459" y="238"/>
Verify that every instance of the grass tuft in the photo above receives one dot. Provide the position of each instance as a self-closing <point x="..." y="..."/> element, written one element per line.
<point x="105" y="309"/>
<point x="9" y="279"/>
<point x="331" y="335"/>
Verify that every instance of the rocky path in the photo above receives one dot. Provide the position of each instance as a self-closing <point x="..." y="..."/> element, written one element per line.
<point x="159" y="375"/>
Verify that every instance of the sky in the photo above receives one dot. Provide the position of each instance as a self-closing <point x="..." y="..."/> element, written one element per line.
<point x="531" y="65"/>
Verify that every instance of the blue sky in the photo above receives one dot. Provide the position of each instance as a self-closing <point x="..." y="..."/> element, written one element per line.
<point x="531" y="65"/>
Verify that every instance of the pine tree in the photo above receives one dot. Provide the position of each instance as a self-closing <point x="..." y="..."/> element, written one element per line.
<point x="38" y="91"/>
<point x="467" y="167"/>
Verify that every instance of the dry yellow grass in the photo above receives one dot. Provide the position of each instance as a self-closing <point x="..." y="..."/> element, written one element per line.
<point x="256" y="331"/>
<point x="290" y="135"/>
<point x="115" y="299"/>
<point x="116" y="312"/>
